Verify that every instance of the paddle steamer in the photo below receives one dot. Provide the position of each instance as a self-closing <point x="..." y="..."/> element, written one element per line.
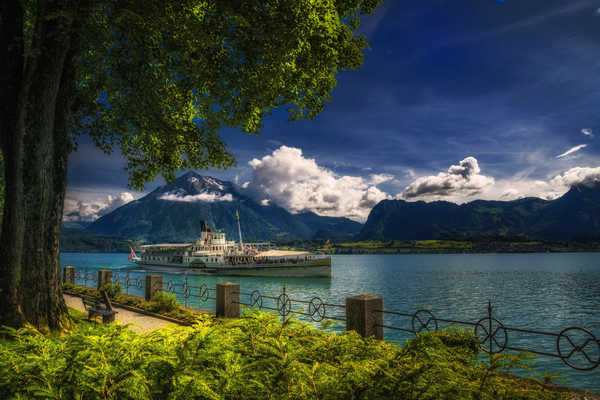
<point x="212" y="254"/>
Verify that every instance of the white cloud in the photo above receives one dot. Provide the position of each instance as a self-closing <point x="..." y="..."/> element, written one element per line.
<point x="205" y="197"/>
<point x="571" y="150"/>
<point x="577" y="176"/>
<point x="299" y="184"/>
<point x="518" y="188"/>
<point x="461" y="181"/>
<point x="376" y="179"/>
<point x="554" y="187"/>
<point x="588" y="132"/>
<point x="79" y="210"/>
<point x="510" y="194"/>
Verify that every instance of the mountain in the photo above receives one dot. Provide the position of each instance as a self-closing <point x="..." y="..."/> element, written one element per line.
<point x="574" y="215"/>
<point x="172" y="213"/>
<point x="74" y="238"/>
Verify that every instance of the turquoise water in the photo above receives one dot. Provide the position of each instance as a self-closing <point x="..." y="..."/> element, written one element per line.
<point x="546" y="292"/>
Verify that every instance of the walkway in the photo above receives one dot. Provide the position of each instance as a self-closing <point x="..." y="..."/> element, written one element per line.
<point x="145" y="323"/>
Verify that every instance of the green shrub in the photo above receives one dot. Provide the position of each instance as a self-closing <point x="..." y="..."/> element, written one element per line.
<point x="164" y="302"/>
<point x="112" y="290"/>
<point x="255" y="357"/>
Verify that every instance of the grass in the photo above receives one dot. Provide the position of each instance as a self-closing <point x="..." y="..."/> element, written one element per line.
<point x="443" y="244"/>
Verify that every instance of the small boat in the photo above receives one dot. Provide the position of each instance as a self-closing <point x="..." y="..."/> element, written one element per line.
<point x="212" y="254"/>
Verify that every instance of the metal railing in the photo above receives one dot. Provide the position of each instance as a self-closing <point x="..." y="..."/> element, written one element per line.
<point x="126" y="281"/>
<point x="187" y="291"/>
<point x="494" y="337"/>
<point x="317" y="308"/>
<point x="86" y="276"/>
<point x="577" y="347"/>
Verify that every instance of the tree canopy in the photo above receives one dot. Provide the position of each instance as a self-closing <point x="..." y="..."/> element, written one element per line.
<point x="154" y="79"/>
<point x="159" y="79"/>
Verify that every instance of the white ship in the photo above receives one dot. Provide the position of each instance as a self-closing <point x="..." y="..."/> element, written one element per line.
<point x="212" y="254"/>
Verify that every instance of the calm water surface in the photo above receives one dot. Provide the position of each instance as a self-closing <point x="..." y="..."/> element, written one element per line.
<point x="546" y="292"/>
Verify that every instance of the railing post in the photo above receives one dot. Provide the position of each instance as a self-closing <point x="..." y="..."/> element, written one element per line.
<point x="363" y="315"/>
<point x="154" y="284"/>
<point x="69" y="274"/>
<point x="228" y="300"/>
<point x="104" y="277"/>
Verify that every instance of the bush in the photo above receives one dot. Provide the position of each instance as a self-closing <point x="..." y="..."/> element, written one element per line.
<point x="68" y="287"/>
<point x="164" y="302"/>
<point x="112" y="290"/>
<point x="255" y="357"/>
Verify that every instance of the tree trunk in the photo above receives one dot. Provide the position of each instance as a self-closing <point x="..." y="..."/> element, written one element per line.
<point x="35" y="145"/>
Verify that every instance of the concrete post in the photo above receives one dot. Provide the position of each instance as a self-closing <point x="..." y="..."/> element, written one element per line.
<point x="104" y="277"/>
<point x="154" y="284"/>
<point x="362" y="317"/>
<point x="228" y="300"/>
<point x="69" y="274"/>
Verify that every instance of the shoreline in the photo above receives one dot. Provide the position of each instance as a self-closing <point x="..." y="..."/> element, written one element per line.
<point x="383" y="253"/>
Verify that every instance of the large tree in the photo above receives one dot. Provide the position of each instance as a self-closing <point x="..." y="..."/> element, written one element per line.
<point x="155" y="79"/>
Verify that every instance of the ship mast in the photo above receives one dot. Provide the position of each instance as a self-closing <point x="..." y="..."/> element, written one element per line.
<point x="239" y="230"/>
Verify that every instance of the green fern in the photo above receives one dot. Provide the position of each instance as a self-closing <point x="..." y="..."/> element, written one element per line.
<point x="254" y="357"/>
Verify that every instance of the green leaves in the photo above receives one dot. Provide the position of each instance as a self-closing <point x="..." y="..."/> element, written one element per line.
<point x="255" y="357"/>
<point x="160" y="79"/>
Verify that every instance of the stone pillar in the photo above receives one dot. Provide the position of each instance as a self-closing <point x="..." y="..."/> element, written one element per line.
<point x="362" y="317"/>
<point x="104" y="277"/>
<point x="228" y="300"/>
<point x="69" y="274"/>
<point x="154" y="284"/>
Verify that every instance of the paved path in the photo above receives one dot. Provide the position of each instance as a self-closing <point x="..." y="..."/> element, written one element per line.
<point x="145" y="323"/>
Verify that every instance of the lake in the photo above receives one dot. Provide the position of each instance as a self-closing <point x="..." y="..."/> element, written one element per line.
<point x="546" y="292"/>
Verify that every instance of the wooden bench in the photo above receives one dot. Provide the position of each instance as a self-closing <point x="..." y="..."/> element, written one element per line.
<point x="95" y="306"/>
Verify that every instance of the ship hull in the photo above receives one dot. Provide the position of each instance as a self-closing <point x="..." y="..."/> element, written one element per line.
<point x="313" y="268"/>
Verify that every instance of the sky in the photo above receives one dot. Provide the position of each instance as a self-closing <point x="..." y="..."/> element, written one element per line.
<point x="457" y="100"/>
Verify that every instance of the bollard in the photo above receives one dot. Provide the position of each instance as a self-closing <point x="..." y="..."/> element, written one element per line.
<point x="69" y="274"/>
<point x="154" y="284"/>
<point x="104" y="277"/>
<point x="228" y="300"/>
<point x="362" y="317"/>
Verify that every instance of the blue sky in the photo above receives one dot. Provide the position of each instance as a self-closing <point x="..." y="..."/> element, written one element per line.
<point x="509" y="84"/>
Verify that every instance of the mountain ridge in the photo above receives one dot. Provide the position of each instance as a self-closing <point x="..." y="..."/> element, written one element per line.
<point x="172" y="213"/>
<point x="575" y="214"/>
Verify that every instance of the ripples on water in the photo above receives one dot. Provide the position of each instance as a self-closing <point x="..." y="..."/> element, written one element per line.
<point x="546" y="292"/>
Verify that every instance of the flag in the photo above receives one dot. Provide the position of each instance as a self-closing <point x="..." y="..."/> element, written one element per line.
<point x="131" y="255"/>
<point x="237" y="215"/>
